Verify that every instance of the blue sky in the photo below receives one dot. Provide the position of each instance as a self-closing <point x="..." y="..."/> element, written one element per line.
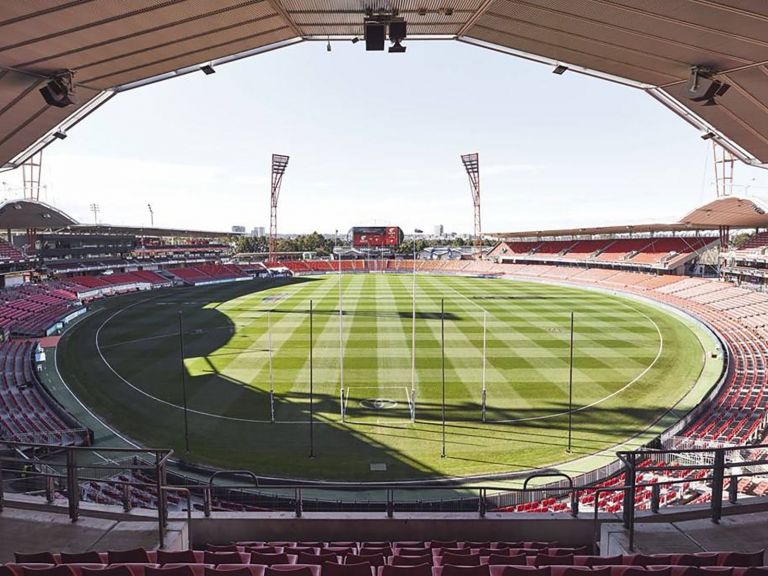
<point x="376" y="138"/>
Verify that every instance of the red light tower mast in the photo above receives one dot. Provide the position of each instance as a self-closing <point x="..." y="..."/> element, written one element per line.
<point x="472" y="166"/>
<point x="279" y="164"/>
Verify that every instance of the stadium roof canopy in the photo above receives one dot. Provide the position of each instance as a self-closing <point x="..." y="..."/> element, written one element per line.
<point x="730" y="211"/>
<point x="649" y="44"/>
<point x="24" y="214"/>
<point x="106" y="229"/>
<point x="605" y="230"/>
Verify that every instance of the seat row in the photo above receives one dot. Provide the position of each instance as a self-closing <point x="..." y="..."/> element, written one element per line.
<point x="365" y="569"/>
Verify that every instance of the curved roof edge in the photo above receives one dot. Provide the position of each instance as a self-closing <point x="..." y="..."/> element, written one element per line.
<point x="26" y="213"/>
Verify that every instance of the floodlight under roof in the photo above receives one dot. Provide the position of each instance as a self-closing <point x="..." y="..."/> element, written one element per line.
<point x="560" y="70"/>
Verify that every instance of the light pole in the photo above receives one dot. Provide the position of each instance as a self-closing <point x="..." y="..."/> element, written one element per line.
<point x="341" y="330"/>
<point x="183" y="384"/>
<point x="151" y="216"/>
<point x="95" y="209"/>
<point x="413" y="327"/>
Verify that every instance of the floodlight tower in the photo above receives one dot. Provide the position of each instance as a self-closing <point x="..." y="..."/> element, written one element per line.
<point x="31" y="173"/>
<point x="472" y="166"/>
<point x="724" y="162"/>
<point x="279" y="164"/>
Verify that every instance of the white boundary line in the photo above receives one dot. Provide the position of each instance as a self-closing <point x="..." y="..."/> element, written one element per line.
<point x="258" y="421"/>
<point x="619" y="391"/>
<point x="600" y="401"/>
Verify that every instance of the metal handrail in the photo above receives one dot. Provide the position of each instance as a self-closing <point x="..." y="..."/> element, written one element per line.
<point x="161" y="525"/>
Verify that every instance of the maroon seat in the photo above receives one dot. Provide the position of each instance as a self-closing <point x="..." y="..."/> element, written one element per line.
<point x="565" y="551"/>
<point x="441" y="551"/>
<point x="293" y="570"/>
<point x="35" y="558"/>
<point x="60" y="570"/>
<point x="417" y="570"/>
<point x="410" y="544"/>
<point x="108" y="571"/>
<point x="741" y="559"/>
<point x="372" y="559"/>
<point x="368" y="550"/>
<point x="545" y="560"/>
<point x="175" y="571"/>
<point x="241" y="571"/>
<point x="216" y="558"/>
<point x="451" y="570"/>
<point x="657" y="571"/>
<point x="264" y="550"/>
<point x="224" y="548"/>
<point x="91" y="557"/>
<point x="603" y="560"/>
<point x="526" y="571"/>
<point x="176" y="557"/>
<point x="586" y="571"/>
<point x="410" y="560"/>
<point x="504" y="560"/>
<point x="696" y="559"/>
<point x="342" y="544"/>
<point x="269" y="559"/>
<point x="477" y="544"/>
<point x="648" y="560"/>
<point x="444" y="544"/>
<point x="299" y="549"/>
<point x="412" y="551"/>
<point x="756" y="571"/>
<point x="449" y="559"/>
<point x="134" y="556"/>
<point x="319" y="559"/>
<point x="280" y="544"/>
<point x="334" y="569"/>
<point x="197" y="569"/>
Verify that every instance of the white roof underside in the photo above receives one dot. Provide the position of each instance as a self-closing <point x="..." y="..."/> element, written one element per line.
<point x="113" y="45"/>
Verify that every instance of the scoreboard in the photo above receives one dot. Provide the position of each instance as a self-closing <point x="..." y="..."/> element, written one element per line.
<point x="376" y="236"/>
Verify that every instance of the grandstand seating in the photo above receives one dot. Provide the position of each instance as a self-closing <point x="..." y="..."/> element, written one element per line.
<point x="9" y="253"/>
<point x="663" y="252"/>
<point x="352" y="559"/>
<point x="26" y="414"/>
<point x="209" y="273"/>
<point x="755" y="241"/>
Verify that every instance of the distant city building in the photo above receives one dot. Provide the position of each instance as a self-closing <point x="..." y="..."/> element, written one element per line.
<point x="238" y="229"/>
<point x="258" y="231"/>
<point x="438" y="231"/>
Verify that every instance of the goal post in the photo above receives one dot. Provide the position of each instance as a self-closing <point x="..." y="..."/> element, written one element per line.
<point x="484" y="392"/>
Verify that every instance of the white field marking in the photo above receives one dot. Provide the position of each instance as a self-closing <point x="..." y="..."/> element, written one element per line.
<point x="601" y="400"/>
<point x="398" y="420"/>
<point x="99" y="420"/>
<point x="165" y="402"/>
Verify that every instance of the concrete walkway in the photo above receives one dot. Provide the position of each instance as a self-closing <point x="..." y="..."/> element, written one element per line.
<point x="38" y="531"/>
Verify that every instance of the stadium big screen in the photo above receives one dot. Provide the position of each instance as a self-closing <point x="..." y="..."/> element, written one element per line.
<point x="376" y="236"/>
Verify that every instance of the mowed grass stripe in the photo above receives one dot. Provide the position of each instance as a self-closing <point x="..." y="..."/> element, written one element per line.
<point x="527" y="373"/>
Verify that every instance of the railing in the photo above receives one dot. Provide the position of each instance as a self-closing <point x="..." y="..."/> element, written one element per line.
<point x="69" y="471"/>
<point x="21" y="464"/>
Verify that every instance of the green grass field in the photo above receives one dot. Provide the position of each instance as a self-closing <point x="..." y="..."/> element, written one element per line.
<point x="633" y="362"/>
